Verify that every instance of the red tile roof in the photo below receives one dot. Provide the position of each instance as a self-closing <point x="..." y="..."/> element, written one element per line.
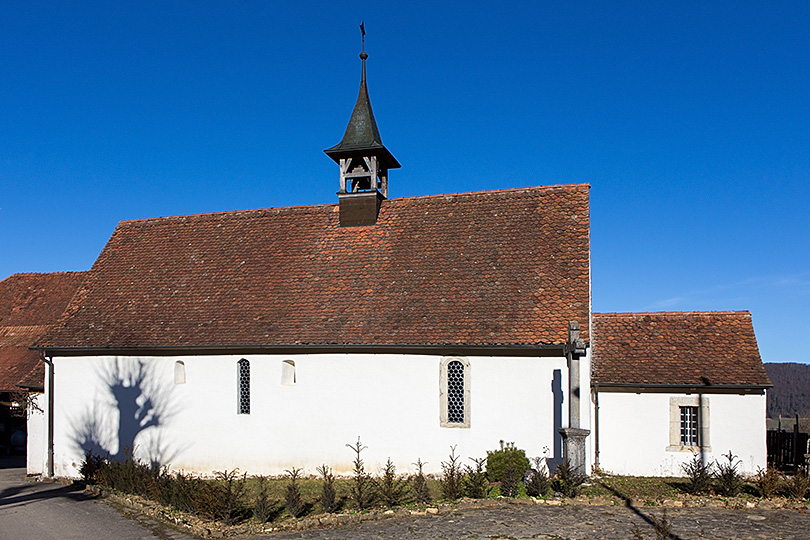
<point x="713" y="348"/>
<point x="504" y="267"/>
<point x="29" y="305"/>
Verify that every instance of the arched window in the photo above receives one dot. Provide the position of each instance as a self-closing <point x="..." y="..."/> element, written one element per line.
<point x="454" y="393"/>
<point x="243" y="386"/>
<point x="179" y="372"/>
<point x="288" y="373"/>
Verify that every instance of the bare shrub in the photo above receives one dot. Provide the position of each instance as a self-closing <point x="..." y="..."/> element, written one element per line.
<point x="262" y="508"/>
<point x="567" y="480"/>
<point x="361" y="492"/>
<point x="329" y="502"/>
<point x="292" y="493"/>
<point x="390" y="488"/>
<point x="476" y="485"/>
<point x="421" y="492"/>
<point x="537" y="481"/>
<point x="451" y="476"/>
<point x="798" y="484"/>
<point x="729" y="480"/>
<point x="699" y="474"/>
<point x="768" y="481"/>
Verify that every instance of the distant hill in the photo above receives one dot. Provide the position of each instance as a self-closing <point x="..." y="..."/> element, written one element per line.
<point x="790" y="394"/>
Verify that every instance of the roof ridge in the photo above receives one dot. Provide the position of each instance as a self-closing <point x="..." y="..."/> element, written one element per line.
<point x="312" y="208"/>
<point x="296" y="209"/>
<point x="525" y="189"/>
<point x="31" y="274"/>
<point x="666" y="313"/>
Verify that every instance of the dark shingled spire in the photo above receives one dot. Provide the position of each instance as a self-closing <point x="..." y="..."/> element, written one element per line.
<point x="362" y="136"/>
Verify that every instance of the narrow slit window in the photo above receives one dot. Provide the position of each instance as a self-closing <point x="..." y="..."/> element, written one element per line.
<point x="455" y="392"/>
<point x="689" y="426"/>
<point x="243" y="386"/>
<point x="288" y="373"/>
<point x="179" y="373"/>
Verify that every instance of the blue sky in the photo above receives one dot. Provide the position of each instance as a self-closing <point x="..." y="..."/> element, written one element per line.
<point x="690" y="121"/>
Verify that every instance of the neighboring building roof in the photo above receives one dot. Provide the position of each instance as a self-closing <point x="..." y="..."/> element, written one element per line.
<point x="716" y="348"/>
<point x="29" y="305"/>
<point x="496" y="268"/>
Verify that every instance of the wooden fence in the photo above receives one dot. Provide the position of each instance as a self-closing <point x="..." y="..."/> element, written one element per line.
<point x="788" y="450"/>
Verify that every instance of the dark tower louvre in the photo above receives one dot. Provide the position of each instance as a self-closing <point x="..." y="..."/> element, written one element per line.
<point x="364" y="162"/>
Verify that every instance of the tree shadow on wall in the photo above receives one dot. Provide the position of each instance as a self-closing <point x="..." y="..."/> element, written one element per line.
<point x="137" y="403"/>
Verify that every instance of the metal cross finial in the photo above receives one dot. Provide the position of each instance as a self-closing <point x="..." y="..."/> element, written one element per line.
<point x="363" y="34"/>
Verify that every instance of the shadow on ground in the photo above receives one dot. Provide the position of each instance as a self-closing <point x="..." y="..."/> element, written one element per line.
<point x="628" y="503"/>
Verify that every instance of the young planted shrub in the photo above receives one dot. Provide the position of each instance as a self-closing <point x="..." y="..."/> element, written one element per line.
<point x="391" y="490"/>
<point x="567" y="480"/>
<point x="90" y="468"/>
<point x="499" y="460"/>
<point x="537" y="481"/>
<point x="421" y="492"/>
<point x="476" y="485"/>
<point x="768" y="481"/>
<point x="262" y="508"/>
<point x="451" y="477"/>
<point x="292" y="494"/>
<point x="798" y="485"/>
<point x="229" y="493"/>
<point x="729" y="480"/>
<point x="699" y="474"/>
<point x="328" y="499"/>
<point x="510" y="481"/>
<point x="361" y="492"/>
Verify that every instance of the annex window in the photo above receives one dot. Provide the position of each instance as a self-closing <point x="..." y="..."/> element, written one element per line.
<point x="179" y="372"/>
<point x="454" y="392"/>
<point x="689" y="423"/>
<point x="243" y="386"/>
<point x="689" y="426"/>
<point x="288" y="373"/>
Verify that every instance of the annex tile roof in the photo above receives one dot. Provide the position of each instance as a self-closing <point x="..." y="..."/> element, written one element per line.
<point x="716" y="348"/>
<point x="506" y="267"/>
<point x="29" y="305"/>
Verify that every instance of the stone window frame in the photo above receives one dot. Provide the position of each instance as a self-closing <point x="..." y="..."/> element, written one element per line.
<point x="443" y="392"/>
<point x="704" y="424"/>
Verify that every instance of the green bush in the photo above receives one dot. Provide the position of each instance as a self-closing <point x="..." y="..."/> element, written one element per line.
<point x="499" y="460"/>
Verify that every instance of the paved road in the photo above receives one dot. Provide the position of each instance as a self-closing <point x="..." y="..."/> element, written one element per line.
<point x="44" y="511"/>
<point x="573" y="522"/>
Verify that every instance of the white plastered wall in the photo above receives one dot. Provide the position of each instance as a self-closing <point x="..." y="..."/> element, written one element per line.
<point x="390" y="401"/>
<point x="634" y="432"/>
<point x="37" y="436"/>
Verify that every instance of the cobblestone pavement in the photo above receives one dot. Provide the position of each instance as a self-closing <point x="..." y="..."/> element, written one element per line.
<point x="573" y="522"/>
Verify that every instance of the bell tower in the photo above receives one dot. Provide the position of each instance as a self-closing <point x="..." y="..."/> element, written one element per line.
<point x="363" y="160"/>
